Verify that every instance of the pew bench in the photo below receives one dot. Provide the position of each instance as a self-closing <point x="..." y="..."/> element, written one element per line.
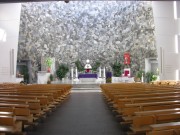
<point x="8" y="124"/>
<point x="141" y="124"/>
<point x="171" y="128"/>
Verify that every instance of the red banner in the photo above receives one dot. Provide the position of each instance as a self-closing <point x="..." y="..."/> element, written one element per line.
<point x="127" y="59"/>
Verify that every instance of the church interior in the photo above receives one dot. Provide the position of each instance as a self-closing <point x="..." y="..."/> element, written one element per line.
<point x="89" y="67"/>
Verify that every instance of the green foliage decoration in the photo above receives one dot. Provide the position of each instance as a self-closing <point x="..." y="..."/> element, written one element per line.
<point x="62" y="71"/>
<point x="150" y="76"/>
<point x="25" y="72"/>
<point x="79" y="66"/>
<point x="49" y="62"/>
<point x="51" y="77"/>
<point x="116" y="67"/>
<point x="139" y="74"/>
<point x="48" y="82"/>
<point x="96" y="66"/>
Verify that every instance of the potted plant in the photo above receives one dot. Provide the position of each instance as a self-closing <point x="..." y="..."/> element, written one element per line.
<point x="62" y="71"/>
<point x="139" y="76"/>
<point x="96" y="66"/>
<point x="49" y="81"/>
<point x="116" y="67"/>
<point x="51" y="77"/>
<point x="79" y="66"/>
<point x="49" y="62"/>
<point x="150" y="77"/>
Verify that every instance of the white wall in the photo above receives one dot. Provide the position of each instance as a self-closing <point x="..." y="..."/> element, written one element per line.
<point x="9" y="33"/>
<point x="166" y="27"/>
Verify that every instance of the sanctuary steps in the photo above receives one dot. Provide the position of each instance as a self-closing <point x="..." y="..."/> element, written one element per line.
<point x="86" y="88"/>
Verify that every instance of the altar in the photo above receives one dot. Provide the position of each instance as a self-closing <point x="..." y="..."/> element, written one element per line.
<point x="87" y="77"/>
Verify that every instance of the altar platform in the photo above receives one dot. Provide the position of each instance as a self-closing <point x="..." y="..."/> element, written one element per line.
<point x="68" y="81"/>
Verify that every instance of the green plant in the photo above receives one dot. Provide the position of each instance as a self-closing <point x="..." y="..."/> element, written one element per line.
<point x="96" y="66"/>
<point x="79" y="66"/>
<point x="140" y="73"/>
<point x="116" y="67"/>
<point x="49" y="62"/>
<point x="150" y="77"/>
<point x="154" y="77"/>
<point x="25" y="72"/>
<point x="48" y="82"/>
<point x="62" y="71"/>
<point x="51" y="77"/>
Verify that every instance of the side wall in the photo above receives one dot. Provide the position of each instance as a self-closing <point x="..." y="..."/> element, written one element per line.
<point x="9" y="33"/>
<point x="166" y="32"/>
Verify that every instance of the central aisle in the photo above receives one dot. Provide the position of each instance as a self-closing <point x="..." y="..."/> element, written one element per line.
<point x="81" y="114"/>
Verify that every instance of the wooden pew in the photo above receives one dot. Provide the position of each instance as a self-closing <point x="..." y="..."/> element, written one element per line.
<point x="172" y="128"/>
<point x="21" y="111"/>
<point x="48" y="97"/>
<point x="8" y="124"/>
<point x="150" y="100"/>
<point x="143" y="113"/>
<point x="142" y="123"/>
<point x="3" y="113"/>
<point x="32" y="101"/>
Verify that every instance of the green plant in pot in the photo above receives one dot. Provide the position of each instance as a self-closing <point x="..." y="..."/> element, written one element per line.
<point x="51" y="77"/>
<point x="79" y="66"/>
<point x="96" y="66"/>
<point x="49" y="82"/>
<point x="139" y="75"/>
<point x="62" y="71"/>
<point x="116" y="67"/>
<point x="49" y="62"/>
<point x="150" y="76"/>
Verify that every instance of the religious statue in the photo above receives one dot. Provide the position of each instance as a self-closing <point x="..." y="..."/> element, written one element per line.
<point x="88" y="66"/>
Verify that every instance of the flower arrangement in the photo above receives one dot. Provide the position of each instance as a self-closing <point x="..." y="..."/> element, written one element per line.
<point x="49" y="62"/>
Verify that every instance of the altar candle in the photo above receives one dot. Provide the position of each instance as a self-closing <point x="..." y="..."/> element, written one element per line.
<point x="99" y="72"/>
<point x="72" y="72"/>
<point x="142" y="78"/>
<point x="104" y="73"/>
<point x="76" y="73"/>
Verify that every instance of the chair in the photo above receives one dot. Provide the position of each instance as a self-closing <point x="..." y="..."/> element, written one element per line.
<point x="127" y="72"/>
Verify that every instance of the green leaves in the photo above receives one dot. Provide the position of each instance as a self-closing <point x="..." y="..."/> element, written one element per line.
<point x="79" y="66"/>
<point x="49" y="62"/>
<point x="96" y="66"/>
<point x="139" y="74"/>
<point x="116" y="67"/>
<point x="150" y="76"/>
<point x="51" y="77"/>
<point x="62" y="71"/>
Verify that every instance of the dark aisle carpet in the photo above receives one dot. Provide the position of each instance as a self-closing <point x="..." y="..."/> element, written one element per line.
<point x="81" y="114"/>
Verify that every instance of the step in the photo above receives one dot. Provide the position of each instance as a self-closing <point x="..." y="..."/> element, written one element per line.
<point x="86" y="85"/>
<point x="86" y="88"/>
